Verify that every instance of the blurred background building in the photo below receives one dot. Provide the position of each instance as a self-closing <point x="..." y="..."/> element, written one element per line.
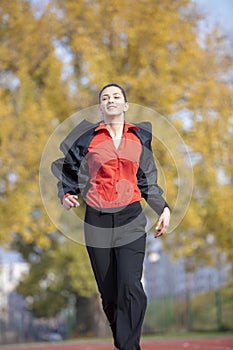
<point x="163" y="277"/>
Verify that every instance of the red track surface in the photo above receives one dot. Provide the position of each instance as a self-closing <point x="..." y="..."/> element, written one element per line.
<point x="212" y="343"/>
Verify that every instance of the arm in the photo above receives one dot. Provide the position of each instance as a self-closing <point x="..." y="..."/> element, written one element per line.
<point x="66" y="171"/>
<point x="72" y="170"/>
<point x="72" y="177"/>
<point x="151" y="192"/>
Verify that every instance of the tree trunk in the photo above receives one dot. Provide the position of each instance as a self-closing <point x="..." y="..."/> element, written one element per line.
<point x="90" y="318"/>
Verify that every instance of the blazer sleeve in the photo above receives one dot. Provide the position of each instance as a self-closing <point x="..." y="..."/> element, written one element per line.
<point x="66" y="171"/>
<point x="71" y="172"/>
<point x="147" y="177"/>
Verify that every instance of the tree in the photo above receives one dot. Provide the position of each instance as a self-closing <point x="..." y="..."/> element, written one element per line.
<point x="146" y="49"/>
<point x="58" y="276"/>
<point x="33" y="97"/>
<point x="209" y="137"/>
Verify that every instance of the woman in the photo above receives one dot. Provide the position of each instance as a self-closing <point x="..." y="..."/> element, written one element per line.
<point x="111" y="165"/>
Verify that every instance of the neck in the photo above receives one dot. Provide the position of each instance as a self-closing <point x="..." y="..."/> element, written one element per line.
<point x="114" y="119"/>
<point x="115" y="126"/>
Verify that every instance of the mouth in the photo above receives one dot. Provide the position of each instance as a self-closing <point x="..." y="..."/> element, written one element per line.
<point x="111" y="107"/>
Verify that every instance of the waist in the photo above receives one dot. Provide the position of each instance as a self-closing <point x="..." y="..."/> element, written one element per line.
<point x="108" y="197"/>
<point x="109" y="217"/>
<point x="136" y="205"/>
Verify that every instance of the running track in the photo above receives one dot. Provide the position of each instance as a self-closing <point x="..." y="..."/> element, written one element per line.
<point x="211" y="343"/>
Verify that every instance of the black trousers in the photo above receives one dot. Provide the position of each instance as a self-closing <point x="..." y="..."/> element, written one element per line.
<point x="117" y="266"/>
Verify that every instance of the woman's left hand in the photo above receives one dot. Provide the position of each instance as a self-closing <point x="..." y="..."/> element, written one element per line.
<point x="163" y="222"/>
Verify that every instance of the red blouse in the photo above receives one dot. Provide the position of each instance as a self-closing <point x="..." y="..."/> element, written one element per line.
<point x="113" y="180"/>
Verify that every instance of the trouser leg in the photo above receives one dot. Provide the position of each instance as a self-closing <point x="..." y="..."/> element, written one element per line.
<point x="118" y="273"/>
<point x="98" y="235"/>
<point x="131" y="301"/>
<point x="104" y="267"/>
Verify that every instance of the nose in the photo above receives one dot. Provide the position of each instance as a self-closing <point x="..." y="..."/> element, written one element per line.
<point x="111" y="99"/>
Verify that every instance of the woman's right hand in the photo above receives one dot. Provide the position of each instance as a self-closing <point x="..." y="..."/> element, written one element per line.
<point x="70" y="201"/>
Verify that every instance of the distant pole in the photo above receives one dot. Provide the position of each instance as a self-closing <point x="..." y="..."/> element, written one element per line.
<point x="2" y="308"/>
<point x="189" y="302"/>
<point x="218" y="293"/>
<point x="218" y="298"/>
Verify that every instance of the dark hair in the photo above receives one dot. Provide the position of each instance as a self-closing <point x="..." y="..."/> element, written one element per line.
<point x="116" y="85"/>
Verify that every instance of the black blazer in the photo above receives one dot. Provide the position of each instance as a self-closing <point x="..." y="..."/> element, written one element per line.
<point x="72" y="170"/>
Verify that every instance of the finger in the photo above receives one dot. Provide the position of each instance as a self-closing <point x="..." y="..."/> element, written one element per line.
<point x="67" y="204"/>
<point x="72" y="204"/>
<point x="161" y="231"/>
<point x="72" y="201"/>
<point x="159" y="223"/>
<point x="158" y="234"/>
<point x="75" y="203"/>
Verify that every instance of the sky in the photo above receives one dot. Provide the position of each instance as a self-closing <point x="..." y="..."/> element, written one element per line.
<point x="7" y="257"/>
<point x="220" y="12"/>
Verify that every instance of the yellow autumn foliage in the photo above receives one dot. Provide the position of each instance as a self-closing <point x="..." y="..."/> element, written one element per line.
<point x="53" y="60"/>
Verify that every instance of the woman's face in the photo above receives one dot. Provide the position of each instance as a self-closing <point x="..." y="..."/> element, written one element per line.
<point x="112" y="102"/>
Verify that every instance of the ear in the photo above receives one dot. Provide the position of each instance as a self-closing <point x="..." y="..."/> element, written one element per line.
<point x="126" y="107"/>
